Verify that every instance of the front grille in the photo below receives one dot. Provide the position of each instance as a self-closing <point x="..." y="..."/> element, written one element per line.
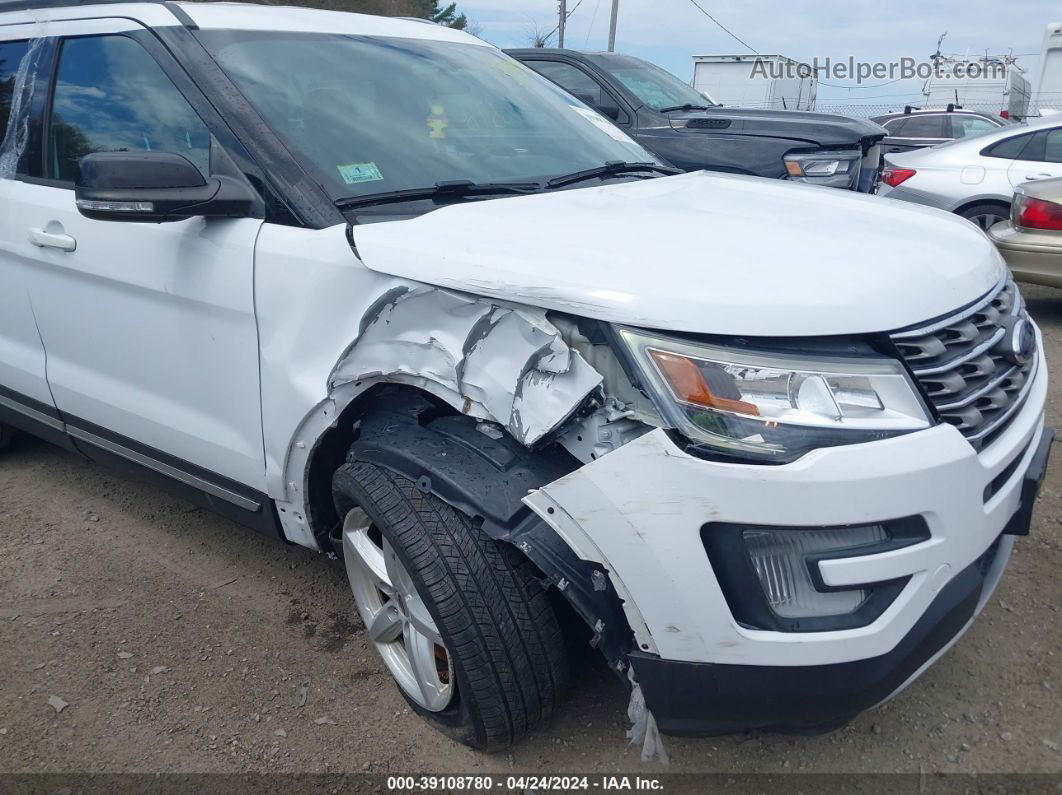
<point x="961" y="364"/>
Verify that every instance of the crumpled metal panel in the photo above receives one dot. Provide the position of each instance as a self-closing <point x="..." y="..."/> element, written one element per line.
<point x="510" y="360"/>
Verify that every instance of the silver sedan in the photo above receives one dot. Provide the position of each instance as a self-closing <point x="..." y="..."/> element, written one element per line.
<point x="976" y="177"/>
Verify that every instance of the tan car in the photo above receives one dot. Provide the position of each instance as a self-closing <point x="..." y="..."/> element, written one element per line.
<point x="1031" y="241"/>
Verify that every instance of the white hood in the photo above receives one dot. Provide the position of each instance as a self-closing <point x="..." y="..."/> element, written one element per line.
<point x="700" y="253"/>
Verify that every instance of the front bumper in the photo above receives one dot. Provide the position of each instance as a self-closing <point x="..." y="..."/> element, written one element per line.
<point x="639" y="512"/>
<point x="706" y="699"/>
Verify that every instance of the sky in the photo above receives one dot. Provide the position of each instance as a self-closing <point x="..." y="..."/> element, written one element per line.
<point x="669" y="32"/>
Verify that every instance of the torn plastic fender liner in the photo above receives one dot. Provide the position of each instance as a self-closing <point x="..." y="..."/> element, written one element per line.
<point x="487" y="478"/>
<point x="508" y="359"/>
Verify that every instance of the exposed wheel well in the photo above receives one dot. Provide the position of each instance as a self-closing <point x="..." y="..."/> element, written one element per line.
<point x="331" y="449"/>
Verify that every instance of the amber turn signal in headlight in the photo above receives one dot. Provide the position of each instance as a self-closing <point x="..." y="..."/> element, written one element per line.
<point x="774" y="406"/>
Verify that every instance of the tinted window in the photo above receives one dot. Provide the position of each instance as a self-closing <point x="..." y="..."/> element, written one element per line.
<point x="11" y="53"/>
<point x="924" y="127"/>
<point x="1009" y="148"/>
<point x="968" y="126"/>
<point x="571" y="79"/>
<point x="1044" y="147"/>
<point x="654" y="86"/>
<point x="111" y="96"/>
<point x="894" y="126"/>
<point x="1053" y="146"/>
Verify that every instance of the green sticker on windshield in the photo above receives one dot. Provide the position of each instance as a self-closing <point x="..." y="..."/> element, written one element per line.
<point x="360" y="172"/>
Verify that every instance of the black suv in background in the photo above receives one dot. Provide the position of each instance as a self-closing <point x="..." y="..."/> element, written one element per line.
<point x="683" y="127"/>
<point x="915" y="128"/>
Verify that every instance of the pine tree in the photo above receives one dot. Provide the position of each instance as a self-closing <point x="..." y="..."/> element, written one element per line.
<point x="447" y="15"/>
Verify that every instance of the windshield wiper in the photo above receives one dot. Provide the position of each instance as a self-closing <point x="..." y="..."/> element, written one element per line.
<point x="611" y="168"/>
<point x="458" y="188"/>
<point x="687" y="106"/>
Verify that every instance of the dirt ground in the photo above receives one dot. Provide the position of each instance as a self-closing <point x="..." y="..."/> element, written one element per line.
<point x="180" y="642"/>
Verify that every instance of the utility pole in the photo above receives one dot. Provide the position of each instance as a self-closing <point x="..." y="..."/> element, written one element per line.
<point x="563" y="19"/>
<point x="612" y="26"/>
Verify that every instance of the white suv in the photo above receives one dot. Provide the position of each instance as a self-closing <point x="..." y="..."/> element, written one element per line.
<point x="372" y="287"/>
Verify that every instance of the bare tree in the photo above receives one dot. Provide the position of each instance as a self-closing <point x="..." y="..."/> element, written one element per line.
<point x="537" y="37"/>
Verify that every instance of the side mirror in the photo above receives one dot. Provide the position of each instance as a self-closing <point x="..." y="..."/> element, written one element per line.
<point x="611" y="110"/>
<point x="155" y="187"/>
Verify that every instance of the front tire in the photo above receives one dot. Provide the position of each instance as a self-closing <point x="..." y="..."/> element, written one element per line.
<point x="7" y="433"/>
<point x="461" y="621"/>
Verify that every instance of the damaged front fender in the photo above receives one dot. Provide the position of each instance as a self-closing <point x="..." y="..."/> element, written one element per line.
<point x="509" y="360"/>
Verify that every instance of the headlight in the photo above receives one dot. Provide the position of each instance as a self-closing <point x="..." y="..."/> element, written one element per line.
<point x="774" y="407"/>
<point x="822" y="164"/>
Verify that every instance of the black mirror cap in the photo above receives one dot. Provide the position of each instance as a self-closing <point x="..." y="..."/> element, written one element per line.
<point x="157" y="187"/>
<point x="143" y="170"/>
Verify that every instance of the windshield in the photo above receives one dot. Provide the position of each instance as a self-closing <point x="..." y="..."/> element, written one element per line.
<point x="654" y="86"/>
<point x="370" y="115"/>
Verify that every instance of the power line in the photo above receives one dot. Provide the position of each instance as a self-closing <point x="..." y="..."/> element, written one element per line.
<point x="730" y="33"/>
<point x="876" y="85"/>
<point x="593" y="19"/>
<point x="566" y="18"/>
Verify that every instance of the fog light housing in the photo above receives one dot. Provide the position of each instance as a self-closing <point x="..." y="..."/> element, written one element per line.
<point x="780" y="559"/>
<point x="771" y="580"/>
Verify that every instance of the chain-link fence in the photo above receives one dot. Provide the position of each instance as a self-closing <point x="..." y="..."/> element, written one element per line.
<point x="866" y="111"/>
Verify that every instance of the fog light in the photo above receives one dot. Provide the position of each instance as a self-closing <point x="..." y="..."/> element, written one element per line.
<point x="780" y="559"/>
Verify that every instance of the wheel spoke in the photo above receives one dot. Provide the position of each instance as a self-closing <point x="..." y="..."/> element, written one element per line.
<point x="395" y="617"/>
<point x="421" y="653"/>
<point x="386" y="626"/>
<point x="370" y="558"/>
<point x="421" y="619"/>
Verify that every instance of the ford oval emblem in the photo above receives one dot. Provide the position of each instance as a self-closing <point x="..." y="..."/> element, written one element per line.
<point x="1021" y="344"/>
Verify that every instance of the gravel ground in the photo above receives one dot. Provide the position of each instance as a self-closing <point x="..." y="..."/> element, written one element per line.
<point x="140" y="634"/>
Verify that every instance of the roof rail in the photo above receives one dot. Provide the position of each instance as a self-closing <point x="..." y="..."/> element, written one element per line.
<point x="28" y="5"/>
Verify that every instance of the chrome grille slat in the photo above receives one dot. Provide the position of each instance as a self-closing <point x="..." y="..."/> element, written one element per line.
<point x="976" y="388"/>
<point x="984" y="389"/>
<point x="957" y="361"/>
<point x="1002" y="418"/>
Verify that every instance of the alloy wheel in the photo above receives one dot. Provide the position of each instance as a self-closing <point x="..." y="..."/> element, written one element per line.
<point x="395" y="616"/>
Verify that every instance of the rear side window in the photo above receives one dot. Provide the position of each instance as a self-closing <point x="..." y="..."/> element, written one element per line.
<point x="11" y="53"/>
<point x="1010" y="148"/>
<point x="968" y="126"/>
<point x="111" y="96"/>
<point x="1053" y="146"/>
<point x="924" y="127"/>
<point x="1044" y="147"/>
<point x="894" y="126"/>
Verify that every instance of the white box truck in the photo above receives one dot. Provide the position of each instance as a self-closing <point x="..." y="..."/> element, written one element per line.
<point x="993" y="85"/>
<point x="756" y="81"/>
<point x="1049" y="85"/>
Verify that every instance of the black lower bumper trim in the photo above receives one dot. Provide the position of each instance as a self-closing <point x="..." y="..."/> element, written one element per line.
<point x="707" y="699"/>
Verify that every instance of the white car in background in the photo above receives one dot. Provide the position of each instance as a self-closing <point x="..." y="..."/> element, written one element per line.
<point x="976" y="177"/>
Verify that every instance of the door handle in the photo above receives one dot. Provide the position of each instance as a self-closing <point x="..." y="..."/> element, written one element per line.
<point x="1041" y="175"/>
<point x="39" y="237"/>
